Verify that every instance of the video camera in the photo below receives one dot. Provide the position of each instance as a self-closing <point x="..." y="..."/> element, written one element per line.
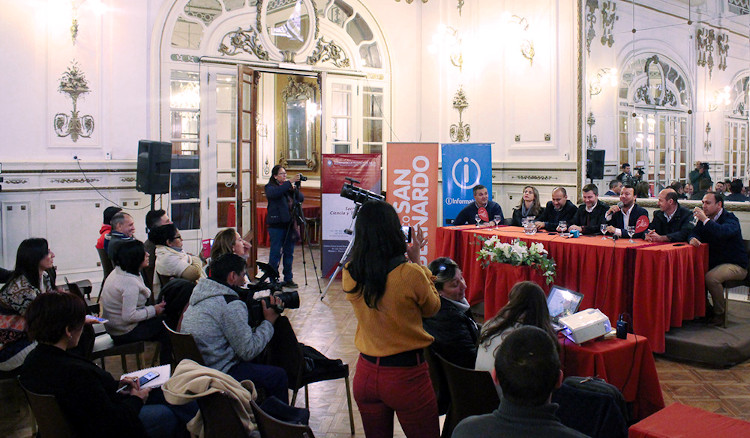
<point x="268" y="281"/>
<point x="358" y="194"/>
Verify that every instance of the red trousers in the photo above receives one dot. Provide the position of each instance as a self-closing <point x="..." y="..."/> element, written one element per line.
<point x="380" y="391"/>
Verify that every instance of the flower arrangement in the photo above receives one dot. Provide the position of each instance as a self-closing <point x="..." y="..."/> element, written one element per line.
<point x="517" y="253"/>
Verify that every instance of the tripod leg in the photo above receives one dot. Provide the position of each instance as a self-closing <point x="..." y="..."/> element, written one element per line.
<point x="340" y="265"/>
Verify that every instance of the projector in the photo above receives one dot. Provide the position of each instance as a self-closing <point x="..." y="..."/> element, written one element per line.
<point x="585" y="325"/>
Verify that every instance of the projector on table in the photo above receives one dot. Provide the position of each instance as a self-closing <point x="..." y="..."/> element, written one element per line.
<point x="585" y="325"/>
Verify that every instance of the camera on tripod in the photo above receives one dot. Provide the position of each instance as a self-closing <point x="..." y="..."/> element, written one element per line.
<point x="268" y="281"/>
<point x="358" y="194"/>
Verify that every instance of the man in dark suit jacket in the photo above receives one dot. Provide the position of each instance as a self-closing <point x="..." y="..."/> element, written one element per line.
<point x="736" y="188"/>
<point x="590" y="214"/>
<point x="727" y="257"/>
<point x="558" y="209"/>
<point x="482" y="206"/>
<point x="625" y="213"/>
<point x="671" y="222"/>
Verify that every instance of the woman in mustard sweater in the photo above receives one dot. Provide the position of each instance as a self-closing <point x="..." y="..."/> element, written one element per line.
<point x="390" y="297"/>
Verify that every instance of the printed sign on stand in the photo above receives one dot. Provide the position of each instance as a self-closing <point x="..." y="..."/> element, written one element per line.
<point x="465" y="165"/>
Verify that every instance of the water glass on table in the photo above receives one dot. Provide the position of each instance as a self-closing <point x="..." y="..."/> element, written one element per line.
<point x="477" y="219"/>
<point x="631" y="231"/>
<point x="497" y="220"/>
<point x="603" y="229"/>
<point x="562" y="226"/>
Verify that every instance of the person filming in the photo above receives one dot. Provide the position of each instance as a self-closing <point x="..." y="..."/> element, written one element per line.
<point x="282" y="197"/>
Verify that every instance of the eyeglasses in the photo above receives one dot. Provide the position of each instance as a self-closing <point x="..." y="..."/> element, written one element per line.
<point x="177" y="237"/>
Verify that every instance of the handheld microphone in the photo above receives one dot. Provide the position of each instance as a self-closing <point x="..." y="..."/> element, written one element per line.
<point x="620" y="205"/>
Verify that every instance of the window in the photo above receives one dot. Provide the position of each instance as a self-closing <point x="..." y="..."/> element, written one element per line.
<point x="184" y="103"/>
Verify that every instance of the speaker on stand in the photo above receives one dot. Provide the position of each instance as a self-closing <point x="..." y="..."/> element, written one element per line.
<point x="154" y="168"/>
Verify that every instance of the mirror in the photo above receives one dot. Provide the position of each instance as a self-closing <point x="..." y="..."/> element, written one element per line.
<point x="654" y="80"/>
<point x="290" y="26"/>
<point x="300" y="122"/>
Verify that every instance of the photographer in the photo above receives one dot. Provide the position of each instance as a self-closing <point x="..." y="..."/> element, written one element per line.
<point x="218" y="320"/>
<point x="283" y="198"/>
<point x="698" y="174"/>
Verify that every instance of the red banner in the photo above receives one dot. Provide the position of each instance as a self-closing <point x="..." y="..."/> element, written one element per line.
<point x="413" y="188"/>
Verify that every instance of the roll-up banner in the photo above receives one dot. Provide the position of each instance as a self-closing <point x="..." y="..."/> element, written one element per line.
<point x="465" y="165"/>
<point x="337" y="211"/>
<point x="413" y="188"/>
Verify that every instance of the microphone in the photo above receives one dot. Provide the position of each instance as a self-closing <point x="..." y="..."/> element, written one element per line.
<point x="620" y="205"/>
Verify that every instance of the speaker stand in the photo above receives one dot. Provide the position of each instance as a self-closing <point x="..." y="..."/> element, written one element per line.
<point x="153" y="200"/>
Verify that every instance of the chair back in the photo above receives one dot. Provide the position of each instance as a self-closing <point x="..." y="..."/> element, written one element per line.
<point x="219" y="418"/>
<point x="107" y="266"/>
<point x="183" y="346"/>
<point x="472" y="393"/>
<point x="270" y="427"/>
<point x="439" y="382"/>
<point x="592" y="407"/>
<point x="163" y="279"/>
<point x="49" y="416"/>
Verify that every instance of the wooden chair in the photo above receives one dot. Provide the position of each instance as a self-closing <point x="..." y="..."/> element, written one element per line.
<point x="183" y="347"/>
<point x="439" y="383"/>
<point x="219" y="418"/>
<point x="107" y="268"/>
<point x="10" y="390"/>
<point x="52" y="422"/>
<point x="163" y="280"/>
<point x="104" y="346"/>
<point x="472" y="393"/>
<point x="731" y="284"/>
<point x="270" y="427"/>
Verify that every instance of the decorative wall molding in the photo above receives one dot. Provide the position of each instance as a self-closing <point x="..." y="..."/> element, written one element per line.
<point x="722" y="43"/>
<point x="74" y="83"/>
<point x="239" y="41"/>
<point x="705" y="48"/>
<point x="15" y="181"/>
<point x="74" y="180"/>
<point x="591" y="7"/>
<point x="328" y="51"/>
<point x="609" y="16"/>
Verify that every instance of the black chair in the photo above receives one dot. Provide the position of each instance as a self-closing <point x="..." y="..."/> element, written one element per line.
<point x="107" y="268"/>
<point x="52" y="422"/>
<point x="219" y="418"/>
<point x="270" y="427"/>
<point x="439" y="383"/>
<point x="730" y="284"/>
<point x="472" y="393"/>
<point x="183" y="347"/>
<point x="10" y="385"/>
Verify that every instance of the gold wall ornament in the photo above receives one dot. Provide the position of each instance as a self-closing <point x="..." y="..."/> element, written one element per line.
<point x="460" y="132"/>
<point x="609" y="16"/>
<point x="243" y="40"/>
<point x="298" y="90"/>
<point x="328" y="51"/>
<point x="722" y="43"/>
<point x="707" y="142"/>
<point x="410" y="1"/>
<point x="527" y="46"/>
<point x="591" y="7"/>
<point x="73" y="83"/>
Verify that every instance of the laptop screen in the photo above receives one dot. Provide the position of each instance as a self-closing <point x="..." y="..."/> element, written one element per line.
<point x="562" y="302"/>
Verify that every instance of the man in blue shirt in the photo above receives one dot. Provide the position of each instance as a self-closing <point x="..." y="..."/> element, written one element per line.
<point x="727" y="258"/>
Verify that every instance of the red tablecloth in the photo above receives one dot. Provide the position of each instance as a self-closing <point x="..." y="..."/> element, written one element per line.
<point x="503" y="277"/>
<point x="262" y="211"/>
<point x="678" y="420"/>
<point x="660" y="285"/>
<point x="625" y="363"/>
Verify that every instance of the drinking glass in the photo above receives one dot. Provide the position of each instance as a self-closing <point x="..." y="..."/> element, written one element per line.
<point x="603" y="228"/>
<point x="694" y="221"/>
<point x="630" y="230"/>
<point x="497" y="220"/>
<point x="477" y="219"/>
<point x="562" y="226"/>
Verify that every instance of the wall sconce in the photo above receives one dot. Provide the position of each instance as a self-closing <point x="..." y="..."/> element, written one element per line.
<point x="721" y="97"/>
<point x="591" y="139"/>
<point x="448" y="37"/>
<point x="527" y="46"/>
<point x="605" y="76"/>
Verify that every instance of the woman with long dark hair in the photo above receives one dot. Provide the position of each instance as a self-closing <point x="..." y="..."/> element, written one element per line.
<point x="29" y="279"/>
<point x="390" y="297"/>
<point x="282" y="195"/>
<point x="527" y="305"/>
<point x="529" y="206"/>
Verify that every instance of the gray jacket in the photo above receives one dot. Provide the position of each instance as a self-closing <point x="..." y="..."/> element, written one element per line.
<point x="221" y="329"/>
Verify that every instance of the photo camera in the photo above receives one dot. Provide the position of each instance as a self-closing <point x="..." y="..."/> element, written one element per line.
<point x="268" y="281"/>
<point x="358" y="194"/>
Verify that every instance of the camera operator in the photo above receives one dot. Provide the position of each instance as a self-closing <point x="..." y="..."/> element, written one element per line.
<point x="283" y="199"/>
<point x="698" y="174"/>
<point x="218" y="320"/>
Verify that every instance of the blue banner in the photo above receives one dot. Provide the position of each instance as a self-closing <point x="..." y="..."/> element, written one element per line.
<point x="465" y="165"/>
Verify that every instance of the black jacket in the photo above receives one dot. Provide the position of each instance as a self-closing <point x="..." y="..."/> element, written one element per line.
<point x="589" y="222"/>
<point x="724" y="239"/>
<point x="279" y="196"/>
<point x="517" y="219"/>
<point x="455" y="334"/>
<point x="552" y="217"/>
<point x="86" y="393"/>
<point x="736" y="197"/>
<point x="618" y="218"/>
<point x="676" y="230"/>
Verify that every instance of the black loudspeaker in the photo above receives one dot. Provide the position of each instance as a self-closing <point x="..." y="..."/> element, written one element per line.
<point x="594" y="164"/>
<point x="154" y="167"/>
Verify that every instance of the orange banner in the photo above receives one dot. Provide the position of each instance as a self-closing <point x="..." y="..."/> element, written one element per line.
<point x="413" y="189"/>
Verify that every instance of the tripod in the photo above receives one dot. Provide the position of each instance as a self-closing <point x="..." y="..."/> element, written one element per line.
<point x="298" y="217"/>
<point x="345" y="256"/>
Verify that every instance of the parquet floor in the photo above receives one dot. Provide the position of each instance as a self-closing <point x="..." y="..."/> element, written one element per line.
<point x="329" y="326"/>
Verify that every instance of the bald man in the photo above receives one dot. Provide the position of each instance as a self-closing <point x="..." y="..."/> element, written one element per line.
<point x="671" y="222"/>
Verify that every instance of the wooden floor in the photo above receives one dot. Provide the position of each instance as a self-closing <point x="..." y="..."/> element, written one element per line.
<point x="329" y="326"/>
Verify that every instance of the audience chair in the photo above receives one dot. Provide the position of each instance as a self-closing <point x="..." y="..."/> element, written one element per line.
<point x="269" y="427"/>
<point x="183" y="347"/>
<point x="472" y="393"/>
<point x="107" y="268"/>
<point x="11" y="385"/>
<point x="731" y="284"/>
<point x="219" y="418"/>
<point x="52" y="422"/>
<point x="163" y="280"/>
<point x="439" y="383"/>
<point x="104" y="346"/>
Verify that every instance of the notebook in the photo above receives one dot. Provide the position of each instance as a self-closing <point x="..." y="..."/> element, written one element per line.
<point x="562" y="302"/>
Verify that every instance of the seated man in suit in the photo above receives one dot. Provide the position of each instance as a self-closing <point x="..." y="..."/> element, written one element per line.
<point x="625" y="213"/>
<point x="527" y="368"/>
<point x="614" y="188"/>
<point x="482" y="206"/>
<point x="590" y="214"/>
<point x="558" y="209"/>
<point x="727" y="258"/>
<point x="735" y="187"/>
<point x="671" y="221"/>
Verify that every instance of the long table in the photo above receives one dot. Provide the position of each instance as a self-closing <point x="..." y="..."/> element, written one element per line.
<point x="659" y="284"/>
<point x="678" y="420"/>
<point x="264" y="240"/>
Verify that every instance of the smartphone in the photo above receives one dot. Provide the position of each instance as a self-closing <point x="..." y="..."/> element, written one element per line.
<point x="407" y="230"/>
<point x="141" y="381"/>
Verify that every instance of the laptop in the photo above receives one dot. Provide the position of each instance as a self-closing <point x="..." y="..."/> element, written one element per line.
<point x="562" y="302"/>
